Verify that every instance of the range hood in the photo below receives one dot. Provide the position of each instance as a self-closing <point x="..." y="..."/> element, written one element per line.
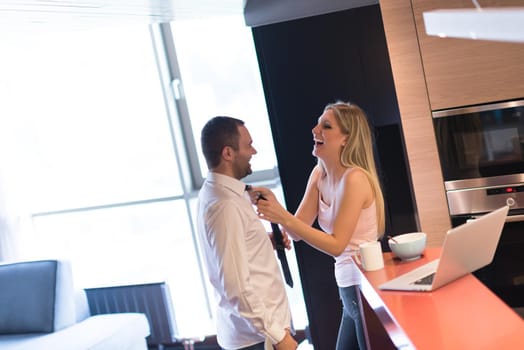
<point x="498" y="24"/>
<point x="263" y="12"/>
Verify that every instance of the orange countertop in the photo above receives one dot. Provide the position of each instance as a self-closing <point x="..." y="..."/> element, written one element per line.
<point x="464" y="314"/>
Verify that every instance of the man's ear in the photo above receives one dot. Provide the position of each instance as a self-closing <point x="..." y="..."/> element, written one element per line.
<point x="227" y="153"/>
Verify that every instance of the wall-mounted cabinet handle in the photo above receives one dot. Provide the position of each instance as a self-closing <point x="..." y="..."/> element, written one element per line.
<point x="514" y="218"/>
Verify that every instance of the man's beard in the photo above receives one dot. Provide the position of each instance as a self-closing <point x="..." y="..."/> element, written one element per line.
<point x="242" y="173"/>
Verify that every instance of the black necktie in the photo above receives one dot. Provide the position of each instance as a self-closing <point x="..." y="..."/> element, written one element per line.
<point x="281" y="253"/>
<point x="281" y="249"/>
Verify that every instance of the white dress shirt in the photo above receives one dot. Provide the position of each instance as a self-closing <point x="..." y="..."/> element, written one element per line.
<point x="242" y="266"/>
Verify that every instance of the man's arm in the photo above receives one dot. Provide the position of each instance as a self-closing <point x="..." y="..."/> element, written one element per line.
<point x="226" y="232"/>
<point x="288" y="343"/>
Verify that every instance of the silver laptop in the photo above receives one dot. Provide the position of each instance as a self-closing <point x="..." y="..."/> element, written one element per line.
<point x="466" y="248"/>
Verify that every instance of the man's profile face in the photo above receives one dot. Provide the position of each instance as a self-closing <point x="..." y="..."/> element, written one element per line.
<point x="241" y="165"/>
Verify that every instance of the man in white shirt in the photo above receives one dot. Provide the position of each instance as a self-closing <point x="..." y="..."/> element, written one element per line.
<point x="253" y="308"/>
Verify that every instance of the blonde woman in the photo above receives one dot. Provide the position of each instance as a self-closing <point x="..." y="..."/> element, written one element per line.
<point x="344" y="194"/>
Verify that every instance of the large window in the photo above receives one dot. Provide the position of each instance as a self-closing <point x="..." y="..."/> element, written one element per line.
<point x="104" y="188"/>
<point x="220" y="76"/>
<point x="99" y="147"/>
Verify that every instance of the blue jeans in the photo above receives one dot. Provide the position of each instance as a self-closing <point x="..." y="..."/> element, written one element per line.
<point x="351" y="332"/>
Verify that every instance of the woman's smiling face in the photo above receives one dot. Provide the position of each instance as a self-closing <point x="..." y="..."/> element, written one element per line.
<point x="328" y="138"/>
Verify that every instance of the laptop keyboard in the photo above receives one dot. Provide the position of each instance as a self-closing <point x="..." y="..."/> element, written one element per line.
<point x="425" y="280"/>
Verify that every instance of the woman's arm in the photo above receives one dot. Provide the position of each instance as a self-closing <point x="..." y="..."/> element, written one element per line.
<point x="353" y="194"/>
<point x="308" y="208"/>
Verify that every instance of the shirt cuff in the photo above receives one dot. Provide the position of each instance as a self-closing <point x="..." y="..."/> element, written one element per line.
<point x="276" y="334"/>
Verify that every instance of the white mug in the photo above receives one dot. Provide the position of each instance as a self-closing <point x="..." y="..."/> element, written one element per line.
<point x="370" y="256"/>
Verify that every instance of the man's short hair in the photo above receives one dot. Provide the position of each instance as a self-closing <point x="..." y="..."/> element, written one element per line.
<point x="218" y="133"/>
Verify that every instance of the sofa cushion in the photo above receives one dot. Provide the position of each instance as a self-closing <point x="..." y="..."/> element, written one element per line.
<point x="36" y="296"/>
<point x="124" y="331"/>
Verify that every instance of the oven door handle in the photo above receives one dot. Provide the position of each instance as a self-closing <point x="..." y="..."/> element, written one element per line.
<point x="515" y="218"/>
<point x="509" y="218"/>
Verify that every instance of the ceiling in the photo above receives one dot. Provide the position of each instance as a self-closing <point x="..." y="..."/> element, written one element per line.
<point x="40" y="11"/>
<point x="31" y="12"/>
<point x="26" y="14"/>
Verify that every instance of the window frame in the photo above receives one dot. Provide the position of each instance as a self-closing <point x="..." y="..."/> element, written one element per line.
<point x="184" y="148"/>
<point x="184" y="142"/>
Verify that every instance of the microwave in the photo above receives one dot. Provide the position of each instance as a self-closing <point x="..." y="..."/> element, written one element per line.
<point x="481" y="152"/>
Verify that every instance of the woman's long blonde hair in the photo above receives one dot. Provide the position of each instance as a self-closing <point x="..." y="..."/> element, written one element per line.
<point x="358" y="150"/>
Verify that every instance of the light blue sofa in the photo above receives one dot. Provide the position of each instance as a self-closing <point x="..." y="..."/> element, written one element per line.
<point x="39" y="309"/>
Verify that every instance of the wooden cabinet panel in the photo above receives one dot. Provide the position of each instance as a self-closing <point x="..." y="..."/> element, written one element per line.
<point x="461" y="72"/>
<point x="415" y="113"/>
<point x="433" y="73"/>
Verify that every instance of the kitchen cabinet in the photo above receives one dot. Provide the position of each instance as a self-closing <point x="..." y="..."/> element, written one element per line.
<point x="463" y="72"/>
<point x="432" y="73"/>
<point x="415" y="113"/>
<point x="438" y="73"/>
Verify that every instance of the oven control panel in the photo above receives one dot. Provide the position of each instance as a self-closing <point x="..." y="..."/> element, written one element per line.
<point x="485" y="199"/>
<point x="504" y="190"/>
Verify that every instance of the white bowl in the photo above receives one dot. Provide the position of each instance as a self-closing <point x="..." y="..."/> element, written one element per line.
<point x="409" y="246"/>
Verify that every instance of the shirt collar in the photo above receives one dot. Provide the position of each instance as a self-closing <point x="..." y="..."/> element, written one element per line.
<point x="233" y="184"/>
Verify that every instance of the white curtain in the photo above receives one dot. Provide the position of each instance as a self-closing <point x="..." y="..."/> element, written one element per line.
<point x="12" y="224"/>
<point x="9" y="245"/>
<point x="15" y="223"/>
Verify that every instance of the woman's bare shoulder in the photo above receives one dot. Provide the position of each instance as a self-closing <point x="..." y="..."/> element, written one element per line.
<point x="316" y="173"/>
<point x="355" y="177"/>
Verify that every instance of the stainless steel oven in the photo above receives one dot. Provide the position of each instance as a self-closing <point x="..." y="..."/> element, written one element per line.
<point x="481" y="150"/>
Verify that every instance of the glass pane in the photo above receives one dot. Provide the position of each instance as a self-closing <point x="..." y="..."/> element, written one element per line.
<point x="86" y="124"/>
<point x="132" y="244"/>
<point x="220" y="76"/>
<point x="93" y="114"/>
<point x="481" y="141"/>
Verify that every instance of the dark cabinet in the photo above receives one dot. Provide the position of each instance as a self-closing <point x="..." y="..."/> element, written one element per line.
<point x="305" y="64"/>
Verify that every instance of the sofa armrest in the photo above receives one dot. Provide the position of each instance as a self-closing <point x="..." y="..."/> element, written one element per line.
<point x="81" y="305"/>
<point x="36" y="296"/>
